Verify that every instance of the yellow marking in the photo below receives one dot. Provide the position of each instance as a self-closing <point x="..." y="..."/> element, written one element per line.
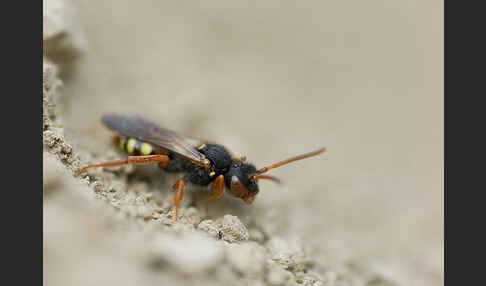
<point x="122" y="143"/>
<point x="212" y="174"/>
<point x="201" y="147"/>
<point x="206" y="163"/>
<point x="145" y="148"/>
<point x="131" y="145"/>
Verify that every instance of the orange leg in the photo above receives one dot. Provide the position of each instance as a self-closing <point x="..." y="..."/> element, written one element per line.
<point x="218" y="188"/>
<point x="163" y="164"/>
<point x="134" y="160"/>
<point x="179" y="188"/>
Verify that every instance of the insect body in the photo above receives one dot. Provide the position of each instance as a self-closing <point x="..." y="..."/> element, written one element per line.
<point x="202" y="163"/>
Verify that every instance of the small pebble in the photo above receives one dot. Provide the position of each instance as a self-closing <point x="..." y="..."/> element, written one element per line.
<point x="210" y="227"/>
<point x="228" y="228"/>
<point x="232" y="229"/>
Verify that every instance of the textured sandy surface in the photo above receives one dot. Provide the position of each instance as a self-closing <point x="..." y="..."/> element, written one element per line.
<point x="268" y="80"/>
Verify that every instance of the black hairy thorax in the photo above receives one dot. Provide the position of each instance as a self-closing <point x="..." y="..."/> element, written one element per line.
<point x="220" y="160"/>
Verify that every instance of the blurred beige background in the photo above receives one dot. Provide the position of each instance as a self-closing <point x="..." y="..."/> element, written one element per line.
<point x="271" y="79"/>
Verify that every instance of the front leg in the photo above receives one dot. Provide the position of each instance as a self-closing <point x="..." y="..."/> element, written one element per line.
<point x="218" y="188"/>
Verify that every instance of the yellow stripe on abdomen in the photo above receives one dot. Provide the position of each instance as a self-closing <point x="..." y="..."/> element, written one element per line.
<point x="135" y="147"/>
<point x="121" y="143"/>
<point x="146" y="149"/>
<point x="131" y="143"/>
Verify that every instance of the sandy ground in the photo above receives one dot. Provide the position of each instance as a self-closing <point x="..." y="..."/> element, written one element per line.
<point x="268" y="80"/>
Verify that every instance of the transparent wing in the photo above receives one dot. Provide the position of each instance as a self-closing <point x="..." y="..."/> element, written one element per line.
<point x="144" y="130"/>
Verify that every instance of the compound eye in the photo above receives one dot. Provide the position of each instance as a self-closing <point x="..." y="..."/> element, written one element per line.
<point x="237" y="188"/>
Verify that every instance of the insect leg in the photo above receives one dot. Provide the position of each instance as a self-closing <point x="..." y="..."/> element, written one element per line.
<point x="162" y="164"/>
<point x="134" y="160"/>
<point x="218" y="188"/>
<point x="179" y="188"/>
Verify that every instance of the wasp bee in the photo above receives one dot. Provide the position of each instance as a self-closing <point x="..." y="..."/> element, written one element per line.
<point x="202" y="163"/>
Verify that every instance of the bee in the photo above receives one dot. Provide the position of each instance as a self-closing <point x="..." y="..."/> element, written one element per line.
<point x="201" y="162"/>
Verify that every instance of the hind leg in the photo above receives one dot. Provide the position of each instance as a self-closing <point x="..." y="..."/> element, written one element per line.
<point x="134" y="160"/>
